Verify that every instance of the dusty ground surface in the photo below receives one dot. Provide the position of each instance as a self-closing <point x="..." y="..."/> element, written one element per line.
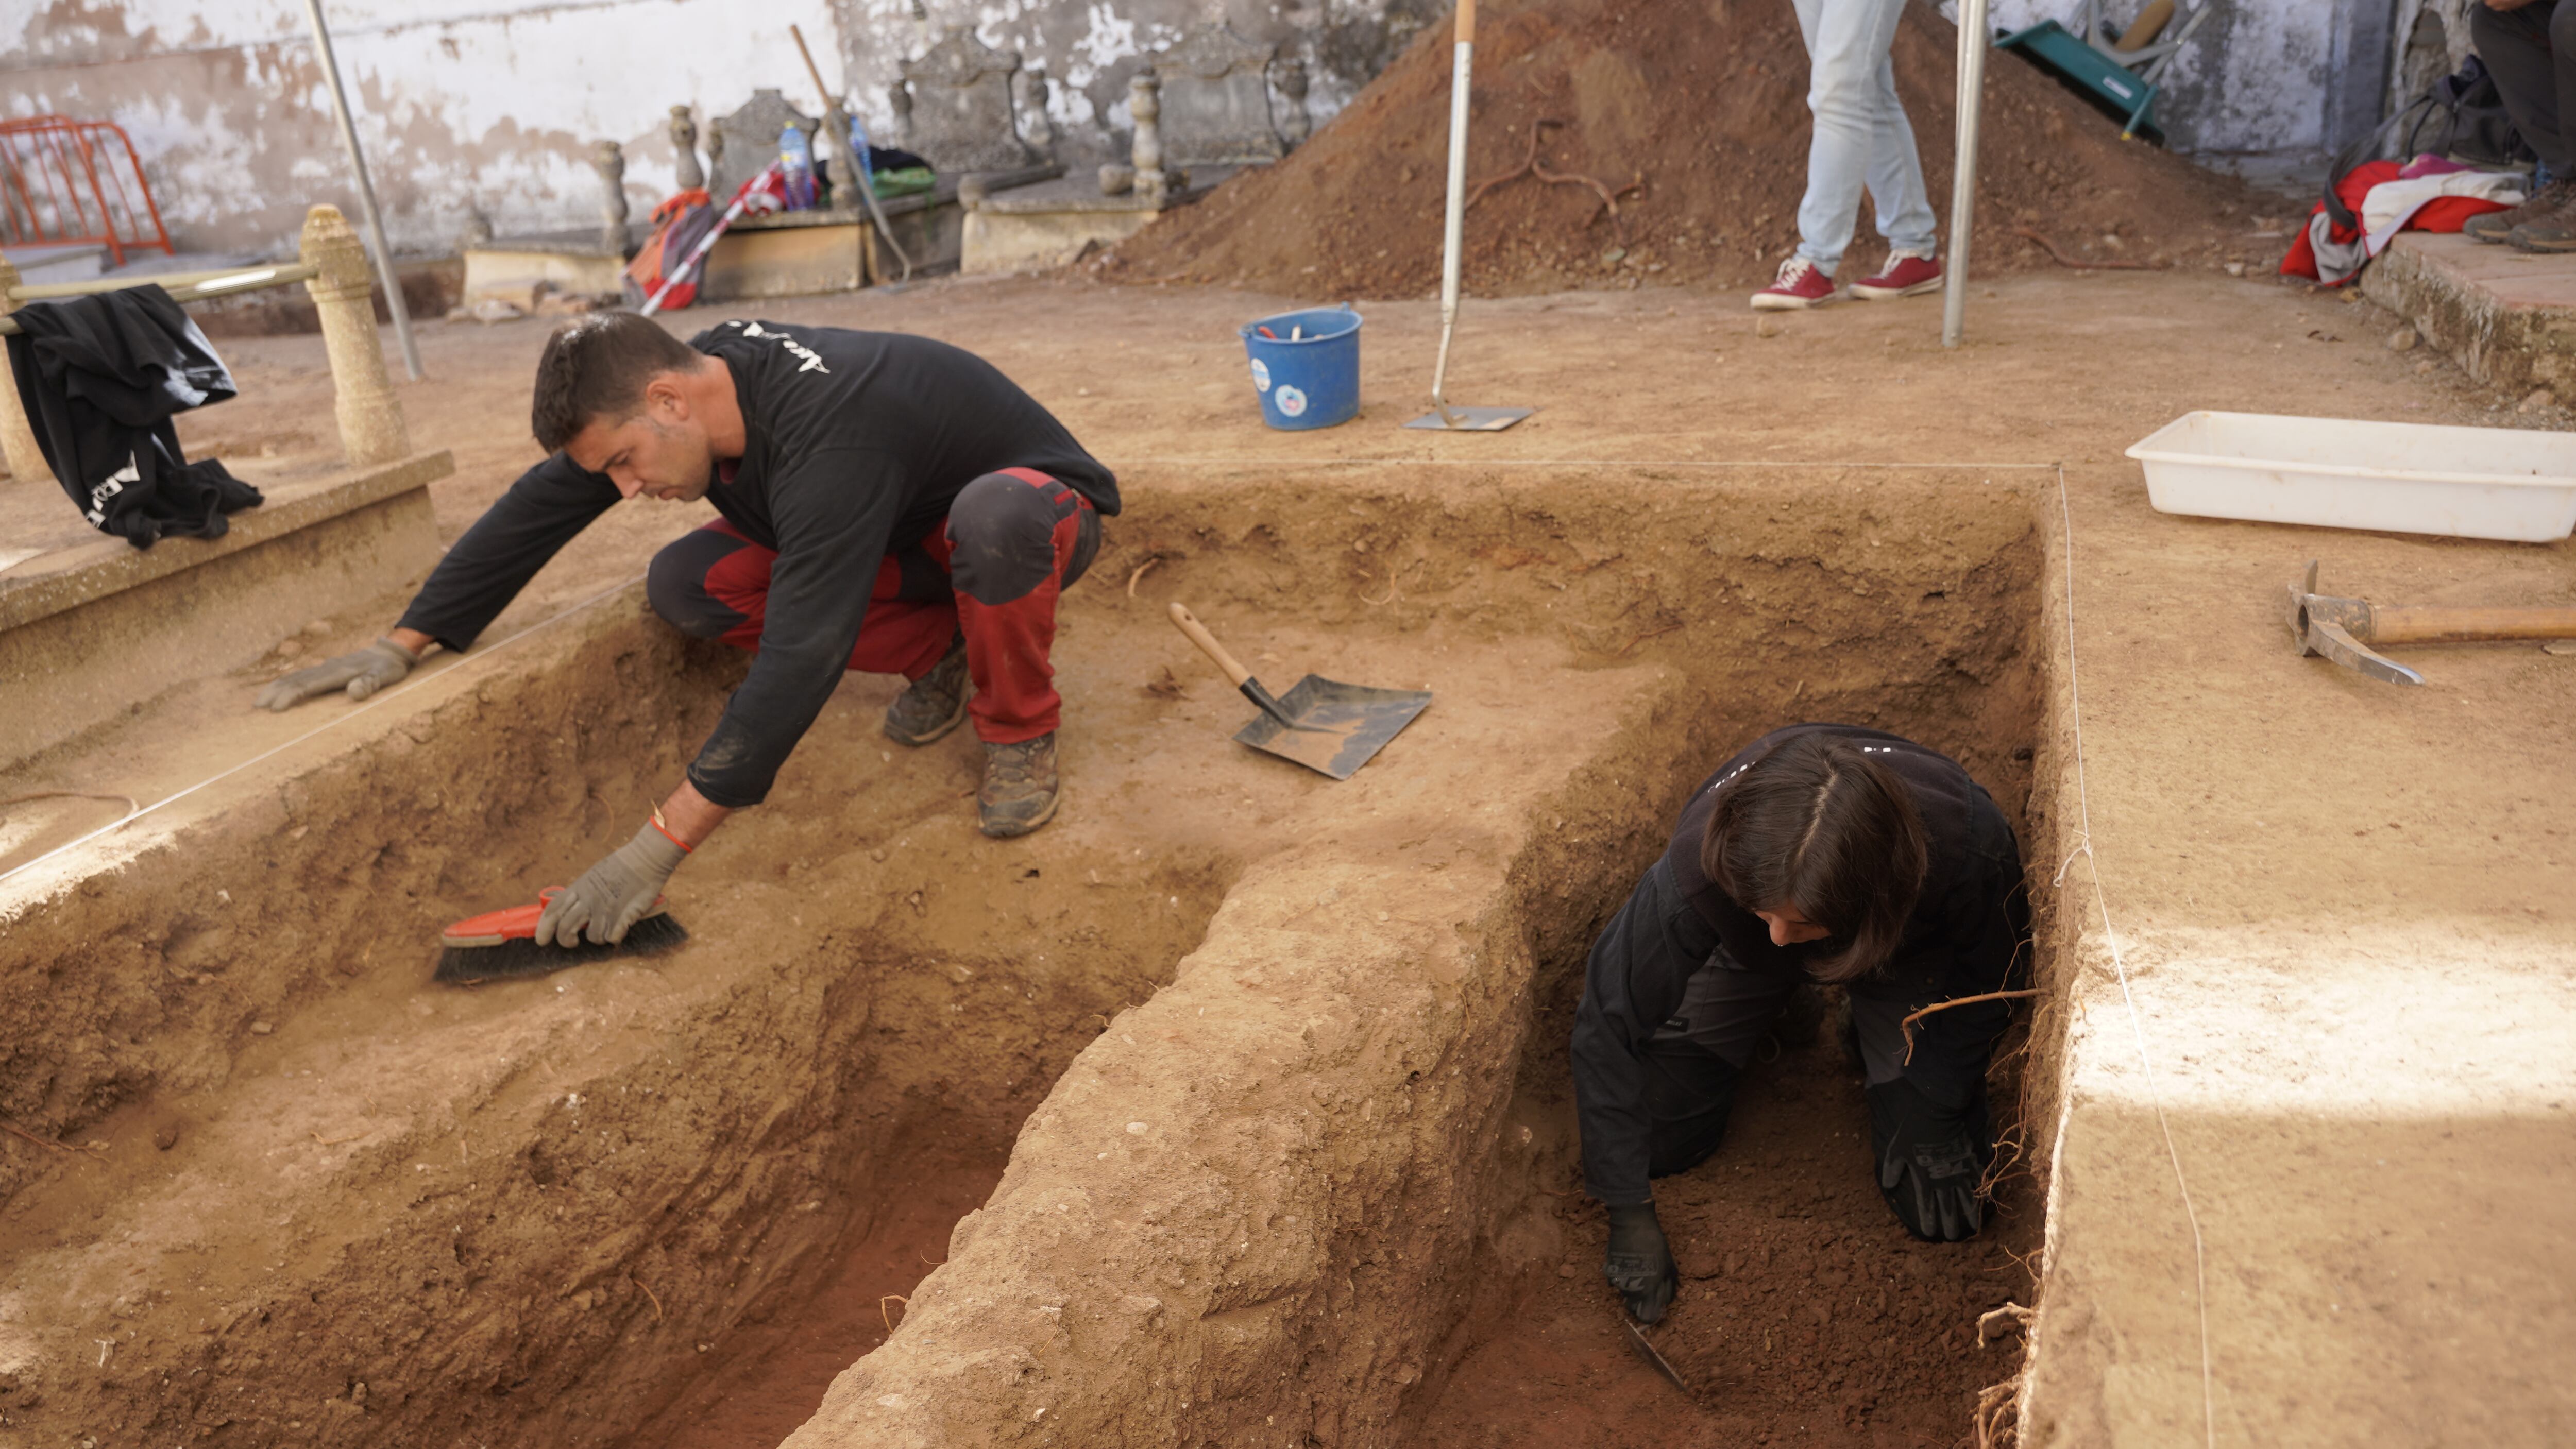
<point x="1707" y="187"/>
<point x="2350" y="988"/>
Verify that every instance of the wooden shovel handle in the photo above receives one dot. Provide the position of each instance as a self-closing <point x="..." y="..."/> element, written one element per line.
<point x="1189" y="624"/>
<point x="1466" y="22"/>
<point x="2429" y="624"/>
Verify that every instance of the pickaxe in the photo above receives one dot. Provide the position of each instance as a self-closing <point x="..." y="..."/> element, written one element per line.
<point x="2344" y="630"/>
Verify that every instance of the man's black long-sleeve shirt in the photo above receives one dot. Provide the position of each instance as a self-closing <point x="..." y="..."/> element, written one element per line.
<point x="1963" y="939"/>
<point x="854" y="442"/>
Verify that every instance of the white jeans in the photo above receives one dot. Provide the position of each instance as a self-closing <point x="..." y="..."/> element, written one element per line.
<point x="1861" y="137"/>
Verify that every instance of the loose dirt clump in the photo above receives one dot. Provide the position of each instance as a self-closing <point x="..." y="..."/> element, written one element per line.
<point x="1694" y="115"/>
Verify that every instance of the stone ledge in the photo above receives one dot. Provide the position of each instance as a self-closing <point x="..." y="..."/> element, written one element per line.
<point x="69" y="576"/>
<point x="2507" y="317"/>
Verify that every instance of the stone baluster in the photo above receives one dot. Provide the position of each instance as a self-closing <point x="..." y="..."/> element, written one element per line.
<point x="17" y="440"/>
<point x="1036" y="126"/>
<point x="609" y="160"/>
<point x="371" y="420"/>
<point x="899" y="100"/>
<point x="1296" y="125"/>
<point x="684" y="150"/>
<point x="839" y="158"/>
<point x="1145" y="107"/>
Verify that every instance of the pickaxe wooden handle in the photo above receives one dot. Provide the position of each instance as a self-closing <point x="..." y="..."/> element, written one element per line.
<point x="2433" y="624"/>
<point x="2343" y="629"/>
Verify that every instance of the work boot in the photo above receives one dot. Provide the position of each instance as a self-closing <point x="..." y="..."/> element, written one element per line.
<point x="1800" y="284"/>
<point x="2495" y="226"/>
<point x="933" y="704"/>
<point x="2553" y="230"/>
<point x="1019" y="793"/>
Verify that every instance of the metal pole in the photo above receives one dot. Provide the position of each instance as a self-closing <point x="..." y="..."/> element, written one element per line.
<point x="366" y="193"/>
<point x="1973" y="44"/>
<point x="1454" y="227"/>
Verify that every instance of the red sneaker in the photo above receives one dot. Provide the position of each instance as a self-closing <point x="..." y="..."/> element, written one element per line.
<point x="1798" y="285"/>
<point x="1904" y="275"/>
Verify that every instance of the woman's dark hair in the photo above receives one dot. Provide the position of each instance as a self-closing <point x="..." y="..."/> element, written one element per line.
<point x="1818" y="824"/>
<point x="597" y="367"/>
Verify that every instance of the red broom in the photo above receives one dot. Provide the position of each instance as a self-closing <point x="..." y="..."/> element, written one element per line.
<point x="502" y="945"/>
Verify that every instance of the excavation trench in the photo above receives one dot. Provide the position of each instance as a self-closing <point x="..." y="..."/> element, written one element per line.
<point x="1229" y="1109"/>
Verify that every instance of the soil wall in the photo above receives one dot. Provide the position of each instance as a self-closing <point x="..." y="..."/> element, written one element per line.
<point x="1267" y="1060"/>
<point x="1320" y="1165"/>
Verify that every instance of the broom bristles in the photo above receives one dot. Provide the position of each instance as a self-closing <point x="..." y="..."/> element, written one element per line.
<point x="522" y="957"/>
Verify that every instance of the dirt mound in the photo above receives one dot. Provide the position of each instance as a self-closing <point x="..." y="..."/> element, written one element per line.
<point x="1699" y="105"/>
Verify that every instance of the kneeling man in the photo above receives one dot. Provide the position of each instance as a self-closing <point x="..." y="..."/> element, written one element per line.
<point x="889" y="503"/>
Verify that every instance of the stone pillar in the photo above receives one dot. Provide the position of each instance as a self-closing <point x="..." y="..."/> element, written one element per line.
<point x="371" y="420"/>
<point x="1296" y="125"/>
<point x="1036" y="126"/>
<point x="609" y="160"/>
<point x="17" y="440"/>
<point x="839" y="161"/>
<point x="899" y="100"/>
<point x="684" y="150"/>
<point x="1145" y="105"/>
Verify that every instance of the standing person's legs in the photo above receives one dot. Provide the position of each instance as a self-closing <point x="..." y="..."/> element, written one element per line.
<point x="1847" y="51"/>
<point x="1896" y="189"/>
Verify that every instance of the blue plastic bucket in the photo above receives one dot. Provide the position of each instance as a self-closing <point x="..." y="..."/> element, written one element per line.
<point x="1307" y="369"/>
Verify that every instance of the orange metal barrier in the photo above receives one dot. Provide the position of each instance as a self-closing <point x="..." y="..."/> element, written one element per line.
<point x="65" y="182"/>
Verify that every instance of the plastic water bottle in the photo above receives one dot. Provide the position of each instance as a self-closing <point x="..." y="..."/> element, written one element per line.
<point x="859" y="151"/>
<point x="796" y="167"/>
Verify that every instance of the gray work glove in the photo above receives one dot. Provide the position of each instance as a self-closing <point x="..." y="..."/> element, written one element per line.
<point x="614" y="894"/>
<point x="362" y="673"/>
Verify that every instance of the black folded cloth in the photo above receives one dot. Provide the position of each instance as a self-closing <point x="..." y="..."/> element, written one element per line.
<point x="100" y="377"/>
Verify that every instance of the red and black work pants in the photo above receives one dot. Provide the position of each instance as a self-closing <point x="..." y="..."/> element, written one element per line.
<point x="991" y="571"/>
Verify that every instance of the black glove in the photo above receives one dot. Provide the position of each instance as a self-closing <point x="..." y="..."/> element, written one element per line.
<point x="1640" y="1263"/>
<point x="1931" y="1160"/>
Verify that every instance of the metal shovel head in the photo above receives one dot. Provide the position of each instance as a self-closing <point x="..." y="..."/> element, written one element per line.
<point x="1470" y="420"/>
<point x="1338" y="726"/>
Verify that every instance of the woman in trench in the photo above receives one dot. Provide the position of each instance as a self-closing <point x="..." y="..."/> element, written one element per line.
<point x="1820" y="853"/>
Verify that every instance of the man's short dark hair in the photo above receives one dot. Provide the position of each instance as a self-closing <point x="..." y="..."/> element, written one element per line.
<point x="597" y="367"/>
<point x="1819" y="825"/>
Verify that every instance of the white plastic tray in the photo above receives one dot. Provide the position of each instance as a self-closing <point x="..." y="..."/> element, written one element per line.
<point x="2339" y="473"/>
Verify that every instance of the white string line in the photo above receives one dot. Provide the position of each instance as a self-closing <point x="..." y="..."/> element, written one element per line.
<point x="1270" y="463"/>
<point x="2137" y="1026"/>
<point x="381" y="697"/>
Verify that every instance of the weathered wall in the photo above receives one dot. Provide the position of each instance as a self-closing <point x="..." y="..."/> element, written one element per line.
<point x="493" y="105"/>
<point x="2261" y="78"/>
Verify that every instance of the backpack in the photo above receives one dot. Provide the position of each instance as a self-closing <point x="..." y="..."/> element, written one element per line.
<point x="2460" y="116"/>
<point x="678" y="225"/>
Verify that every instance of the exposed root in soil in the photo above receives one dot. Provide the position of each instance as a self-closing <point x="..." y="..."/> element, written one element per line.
<point x="1532" y="166"/>
<point x="2058" y="254"/>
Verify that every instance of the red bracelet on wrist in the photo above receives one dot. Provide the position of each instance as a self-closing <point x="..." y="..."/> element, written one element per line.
<point x="656" y="822"/>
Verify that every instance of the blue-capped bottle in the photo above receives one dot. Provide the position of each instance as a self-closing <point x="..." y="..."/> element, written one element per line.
<point x="796" y="167"/>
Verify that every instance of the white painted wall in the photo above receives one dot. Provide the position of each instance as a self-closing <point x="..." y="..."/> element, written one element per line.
<point x="2260" y="78"/>
<point x="494" y="105"/>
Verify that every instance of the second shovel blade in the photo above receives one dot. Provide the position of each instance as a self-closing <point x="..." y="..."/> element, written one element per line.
<point x="1471" y="420"/>
<point x="1340" y="726"/>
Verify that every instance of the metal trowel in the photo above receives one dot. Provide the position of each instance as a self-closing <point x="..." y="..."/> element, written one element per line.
<point x="1320" y="723"/>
